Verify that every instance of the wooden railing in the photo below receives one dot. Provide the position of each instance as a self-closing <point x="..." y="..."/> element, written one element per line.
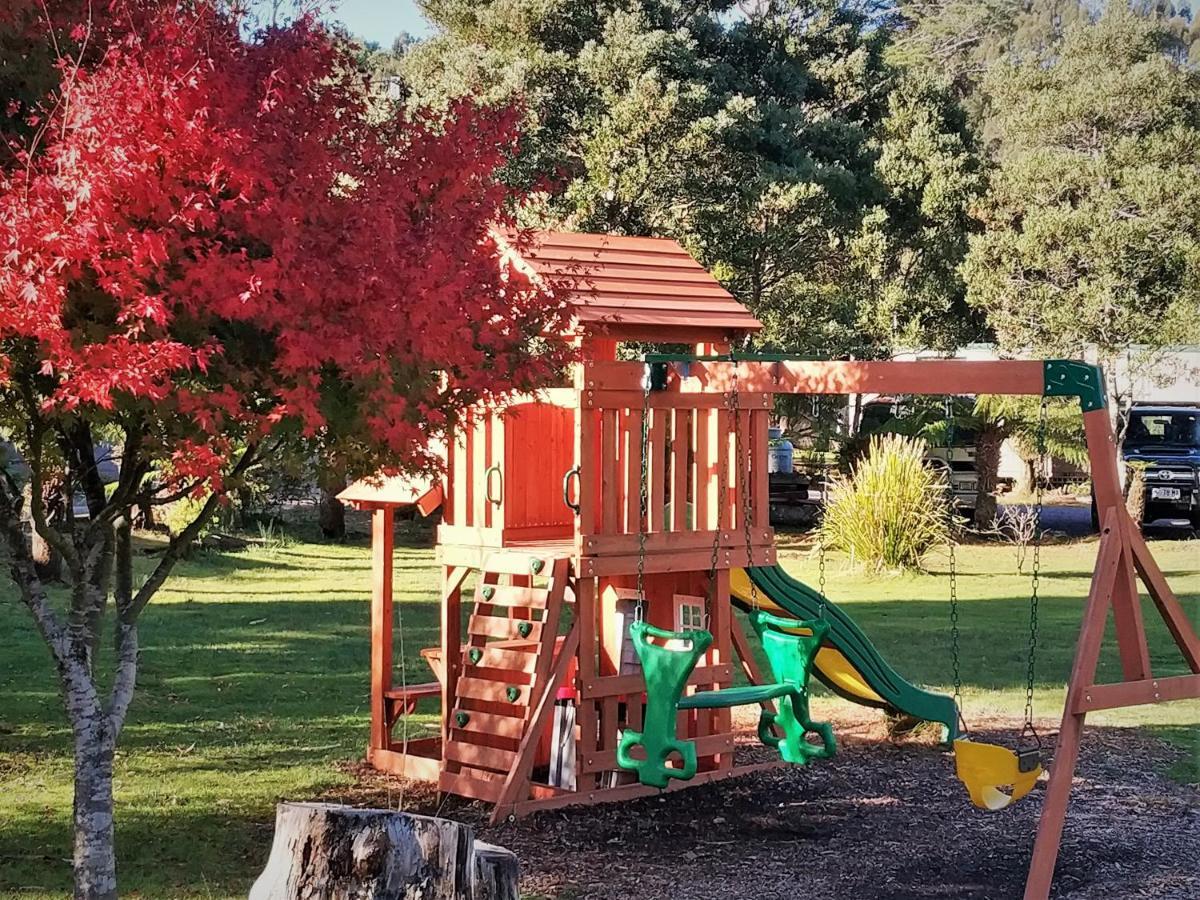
<point x="694" y="477"/>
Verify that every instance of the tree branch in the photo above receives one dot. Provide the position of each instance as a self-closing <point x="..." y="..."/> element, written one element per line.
<point x="24" y="575"/>
<point x="179" y="544"/>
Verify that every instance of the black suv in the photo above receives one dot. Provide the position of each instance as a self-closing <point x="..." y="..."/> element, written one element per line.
<point x="1164" y="441"/>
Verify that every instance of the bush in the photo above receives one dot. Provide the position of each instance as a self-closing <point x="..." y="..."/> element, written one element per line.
<point x="891" y="510"/>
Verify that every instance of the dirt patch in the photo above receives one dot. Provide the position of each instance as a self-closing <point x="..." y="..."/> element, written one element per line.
<point x="881" y="820"/>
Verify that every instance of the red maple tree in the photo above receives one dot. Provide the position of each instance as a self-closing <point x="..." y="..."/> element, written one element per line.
<point x="213" y="247"/>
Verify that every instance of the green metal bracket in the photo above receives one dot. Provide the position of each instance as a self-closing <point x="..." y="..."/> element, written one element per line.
<point x="656" y="375"/>
<point x="1069" y="378"/>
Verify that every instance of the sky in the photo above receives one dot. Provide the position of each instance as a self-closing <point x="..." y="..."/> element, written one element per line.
<point x="382" y="20"/>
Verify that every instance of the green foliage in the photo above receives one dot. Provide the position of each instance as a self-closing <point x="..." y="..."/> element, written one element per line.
<point x="891" y="510"/>
<point x="1092" y="223"/>
<point x="827" y="192"/>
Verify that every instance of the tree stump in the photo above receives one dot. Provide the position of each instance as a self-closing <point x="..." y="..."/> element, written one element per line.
<point x="324" y="851"/>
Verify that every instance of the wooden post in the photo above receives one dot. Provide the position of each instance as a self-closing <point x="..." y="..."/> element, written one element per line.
<point x="381" y="624"/>
<point x="451" y="644"/>
<point x="1066" y="751"/>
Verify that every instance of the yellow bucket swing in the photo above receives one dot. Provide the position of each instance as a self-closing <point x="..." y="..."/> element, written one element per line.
<point x="995" y="776"/>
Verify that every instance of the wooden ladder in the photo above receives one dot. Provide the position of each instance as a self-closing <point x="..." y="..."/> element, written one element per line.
<point x="505" y="676"/>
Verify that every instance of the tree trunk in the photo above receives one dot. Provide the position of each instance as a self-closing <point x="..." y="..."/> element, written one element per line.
<point x="331" y="513"/>
<point x="95" y="855"/>
<point x="323" y="850"/>
<point x="987" y="470"/>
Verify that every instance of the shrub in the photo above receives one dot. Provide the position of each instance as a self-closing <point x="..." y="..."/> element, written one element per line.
<point x="891" y="510"/>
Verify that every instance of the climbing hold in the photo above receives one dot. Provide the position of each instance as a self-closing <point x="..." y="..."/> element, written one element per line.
<point x="524" y="628"/>
<point x="537" y="565"/>
<point x="462" y="719"/>
<point x="489" y="593"/>
<point x="512" y="693"/>
<point x="474" y="655"/>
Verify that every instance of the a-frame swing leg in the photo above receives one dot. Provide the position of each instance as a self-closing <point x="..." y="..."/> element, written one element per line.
<point x="1066" y="751"/>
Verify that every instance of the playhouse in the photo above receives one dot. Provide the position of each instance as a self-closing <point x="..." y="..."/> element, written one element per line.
<point x="618" y="513"/>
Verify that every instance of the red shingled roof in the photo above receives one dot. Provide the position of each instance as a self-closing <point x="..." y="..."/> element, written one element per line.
<point x="621" y="285"/>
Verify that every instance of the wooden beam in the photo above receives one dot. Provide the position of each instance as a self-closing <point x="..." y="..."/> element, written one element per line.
<point x="381" y="624"/>
<point x="1138" y="693"/>
<point x="451" y="654"/>
<point x="940" y="376"/>
<point x="1165" y="600"/>
<point x="1066" y="750"/>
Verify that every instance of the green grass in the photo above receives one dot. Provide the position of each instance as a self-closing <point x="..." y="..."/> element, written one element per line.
<point x="253" y="688"/>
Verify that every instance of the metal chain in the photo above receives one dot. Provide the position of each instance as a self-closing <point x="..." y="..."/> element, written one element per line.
<point x="955" y="633"/>
<point x="1039" y="488"/>
<point x="821" y="540"/>
<point x="742" y="476"/>
<point x="643" y="500"/>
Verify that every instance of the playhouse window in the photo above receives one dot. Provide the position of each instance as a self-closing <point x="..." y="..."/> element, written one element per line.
<point x="689" y="617"/>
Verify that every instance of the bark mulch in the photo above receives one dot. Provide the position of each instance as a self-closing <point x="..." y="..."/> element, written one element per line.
<point x="881" y="820"/>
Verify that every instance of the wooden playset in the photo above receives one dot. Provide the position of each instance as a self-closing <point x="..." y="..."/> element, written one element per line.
<point x="611" y="526"/>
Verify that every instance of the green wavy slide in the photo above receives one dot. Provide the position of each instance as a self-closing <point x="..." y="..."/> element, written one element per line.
<point x="848" y="663"/>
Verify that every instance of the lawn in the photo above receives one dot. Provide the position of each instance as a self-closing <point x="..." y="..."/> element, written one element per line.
<point x="253" y="687"/>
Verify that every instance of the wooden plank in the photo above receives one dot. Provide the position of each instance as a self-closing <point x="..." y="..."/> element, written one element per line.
<point x="505" y="659"/>
<point x="759" y="482"/>
<point x="611" y="500"/>
<point x="492" y="691"/>
<point x="585" y="453"/>
<point x="668" y="400"/>
<point x="451" y="637"/>
<point x="621" y="685"/>
<point x="1165" y="601"/>
<point x="518" y="772"/>
<point x="720" y="489"/>
<point x="839" y="377"/>
<point x="504" y="628"/>
<point x="685" y="561"/>
<point x="708" y="745"/>
<point x="512" y="563"/>
<point x="1127" y="612"/>
<point x="1066" y="750"/>
<point x="702" y="470"/>
<point x="741" y="493"/>
<point x="1138" y="693"/>
<point x="419" y="767"/>
<point x="657" y="470"/>
<point x="469" y="785"/>
<point x="632" y="450"/>
<point x="479" y="462"/>
<point x="479" y="757"/>
<point x="670" y="542"/>
<point x="381" y="623"/>
<point x="510" y="727"/>
<point x="681" y="439"/>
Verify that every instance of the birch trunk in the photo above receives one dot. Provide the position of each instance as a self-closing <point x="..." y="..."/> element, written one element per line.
<point x="95" y="858"/>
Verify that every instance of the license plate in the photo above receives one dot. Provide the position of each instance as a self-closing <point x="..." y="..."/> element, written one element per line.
<point x="1164" y="493"/>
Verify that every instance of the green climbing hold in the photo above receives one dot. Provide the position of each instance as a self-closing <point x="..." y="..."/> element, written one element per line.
<point x="489" y="593"/>
<point x="524" y="629"/>
<point x="474" y="655"/>
<point x="462" y="718"/>
<point x="512" y="693"/>
<point x="537" y="565"/>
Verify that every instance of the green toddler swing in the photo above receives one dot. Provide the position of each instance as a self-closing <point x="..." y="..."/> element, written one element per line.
<point x="668" y="658"/>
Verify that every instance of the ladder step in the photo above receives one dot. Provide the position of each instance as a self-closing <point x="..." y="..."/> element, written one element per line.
<point x="505" y="628"/>
<point x="513" y="563"/>
<point x="508" y="659"/>
<point x="510" y="727"/>
<point x="508" y="595"/>
<point x="493" y="691"/>
<point x="480" y="757"/>
<point x="470" y="784"/>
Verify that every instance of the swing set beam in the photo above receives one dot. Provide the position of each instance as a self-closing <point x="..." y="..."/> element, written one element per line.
<point x="1123" y="557"/>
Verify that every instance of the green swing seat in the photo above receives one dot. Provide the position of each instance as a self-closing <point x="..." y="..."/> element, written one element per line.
<point x="668" y="658"/>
